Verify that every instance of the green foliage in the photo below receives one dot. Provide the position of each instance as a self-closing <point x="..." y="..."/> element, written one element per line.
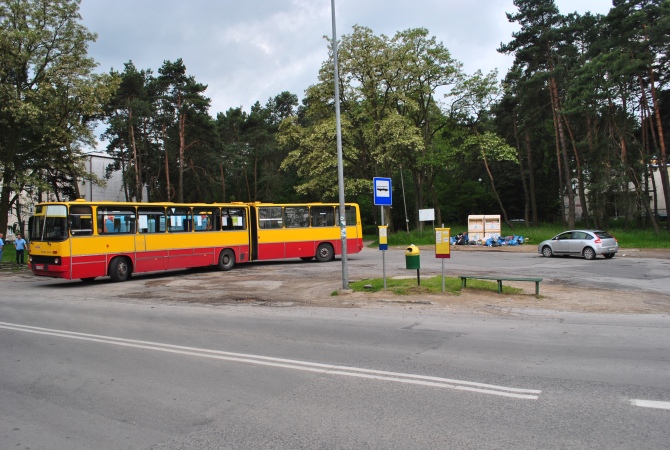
<point x="49" y="98"/>
<point x="533" y="235"/>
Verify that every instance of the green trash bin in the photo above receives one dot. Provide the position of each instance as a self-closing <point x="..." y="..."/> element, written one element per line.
<point x="412" y="258"/>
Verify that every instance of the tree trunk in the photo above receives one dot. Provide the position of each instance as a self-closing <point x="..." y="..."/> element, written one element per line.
<point x="531" y="180"/>
<point x="182" y="147"/>
<point x="663" y="165"/>
<point x="638" y="187"/>
<point x="223" y="183"/>
<point x="136" y="165"/>
<point x="526" y="196"/>
<point x="580" y="176"/>
<point x="495" y="192"/>
<point x="7" y="178"/>
<point x="561" y="185"/>
<point x="564" y="153"/>
<point x="167" y="169"/>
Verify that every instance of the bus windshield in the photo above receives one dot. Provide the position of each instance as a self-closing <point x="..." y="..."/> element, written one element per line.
<point x="51" y="226"/>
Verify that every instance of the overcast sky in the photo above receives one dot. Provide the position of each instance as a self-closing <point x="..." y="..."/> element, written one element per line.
<point x="251" y="50"/>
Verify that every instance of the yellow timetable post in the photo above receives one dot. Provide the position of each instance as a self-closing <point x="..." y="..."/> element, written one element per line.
<point x="442" y="242"/>
<point x="383" y="237"/>
<point x="442" y="247"/>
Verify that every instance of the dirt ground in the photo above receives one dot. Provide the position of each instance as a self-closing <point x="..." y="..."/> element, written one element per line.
<point x="553" y="297"/>
<point x="270" y="286"/>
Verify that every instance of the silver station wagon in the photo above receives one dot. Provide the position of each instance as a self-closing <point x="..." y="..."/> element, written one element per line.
<point x="586" y="243"/>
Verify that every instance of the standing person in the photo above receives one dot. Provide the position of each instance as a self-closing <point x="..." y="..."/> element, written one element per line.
<point x="2" y="245"/>
<point x="20" y="245"/>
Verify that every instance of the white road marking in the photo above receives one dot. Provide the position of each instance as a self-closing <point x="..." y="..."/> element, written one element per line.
<point x="422" y="380"/>
<point x="650" y="404"/>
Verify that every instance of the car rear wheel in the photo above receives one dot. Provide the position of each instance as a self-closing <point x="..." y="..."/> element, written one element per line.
<point x="589" y="253"/>
<point x="609" y="255"/>
<point x="325" y="253"/>
<point x="546" y="251"/>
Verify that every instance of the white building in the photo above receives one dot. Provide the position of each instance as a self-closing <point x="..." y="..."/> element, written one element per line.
<point x="97" y="165"/>
<point x="656" y="197"/>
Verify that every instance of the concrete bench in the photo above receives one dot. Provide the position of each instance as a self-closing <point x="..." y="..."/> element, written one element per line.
<point x="464" y="279"/>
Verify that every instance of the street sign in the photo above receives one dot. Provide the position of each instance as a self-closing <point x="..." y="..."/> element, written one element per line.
<point x="382" y="191"/>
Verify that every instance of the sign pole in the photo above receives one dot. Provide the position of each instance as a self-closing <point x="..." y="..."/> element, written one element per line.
<point x="383" y="254"/>
<point x="382" y="197"/>
<point x="443" y="275"/>
<point x="340" y="166"/>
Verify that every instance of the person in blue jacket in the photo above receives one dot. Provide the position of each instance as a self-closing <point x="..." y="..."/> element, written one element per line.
<point x="20" y="245"/>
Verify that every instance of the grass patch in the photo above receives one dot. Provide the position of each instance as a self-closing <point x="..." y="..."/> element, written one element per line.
<point x="9" y="254"/>
<point x="433" y="285"/>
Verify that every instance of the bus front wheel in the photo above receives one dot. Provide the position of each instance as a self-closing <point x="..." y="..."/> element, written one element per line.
<point x="119" y="269"/>
<point x="325" y="253"/>
<point x="226" y="259"/>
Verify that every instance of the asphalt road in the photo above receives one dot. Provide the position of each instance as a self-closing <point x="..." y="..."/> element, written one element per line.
<point x="102" y="366"/>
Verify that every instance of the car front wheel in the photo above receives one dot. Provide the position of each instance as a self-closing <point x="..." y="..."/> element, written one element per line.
<point x="546" y="251"/>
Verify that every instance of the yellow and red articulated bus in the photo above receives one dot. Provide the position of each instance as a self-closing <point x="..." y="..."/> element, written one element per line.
<point x="85" y="240"/>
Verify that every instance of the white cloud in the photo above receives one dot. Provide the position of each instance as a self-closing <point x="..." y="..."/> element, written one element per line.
<point x="248" y="51"/>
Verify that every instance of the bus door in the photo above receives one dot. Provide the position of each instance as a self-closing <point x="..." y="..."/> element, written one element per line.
<point x="353" y="238"/>
<point x="151" y="243"/>
<point x="140" y="243"/>
<point x="253" y="232"/>
<point x="270" y="236"/>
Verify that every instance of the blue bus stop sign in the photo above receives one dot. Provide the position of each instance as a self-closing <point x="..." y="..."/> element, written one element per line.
<point x="382" y="191"/>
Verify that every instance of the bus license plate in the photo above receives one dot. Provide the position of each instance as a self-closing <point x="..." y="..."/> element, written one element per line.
<point x="39" y="266"/>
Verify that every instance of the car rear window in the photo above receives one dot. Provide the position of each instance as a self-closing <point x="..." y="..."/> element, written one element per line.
<point x="603" y="235"/>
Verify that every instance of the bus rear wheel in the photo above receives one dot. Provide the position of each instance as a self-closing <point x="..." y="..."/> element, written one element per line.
<point x="226" y="259"/>
<point x="119" y="269"/>
<point x="325" y="253"/>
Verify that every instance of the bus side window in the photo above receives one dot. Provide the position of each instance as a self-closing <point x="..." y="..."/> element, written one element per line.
<point x="204" y="218"/>
<point x="270" y="217"/>
<point x="179" y="219"/>
<point x="116" y="220"/>
<point x="234" y="219"/>
<point x="151" y="219"/>
<point x="296" y="216"/>
<point x="323" y="216"/>
<point x="81" y="222"/>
